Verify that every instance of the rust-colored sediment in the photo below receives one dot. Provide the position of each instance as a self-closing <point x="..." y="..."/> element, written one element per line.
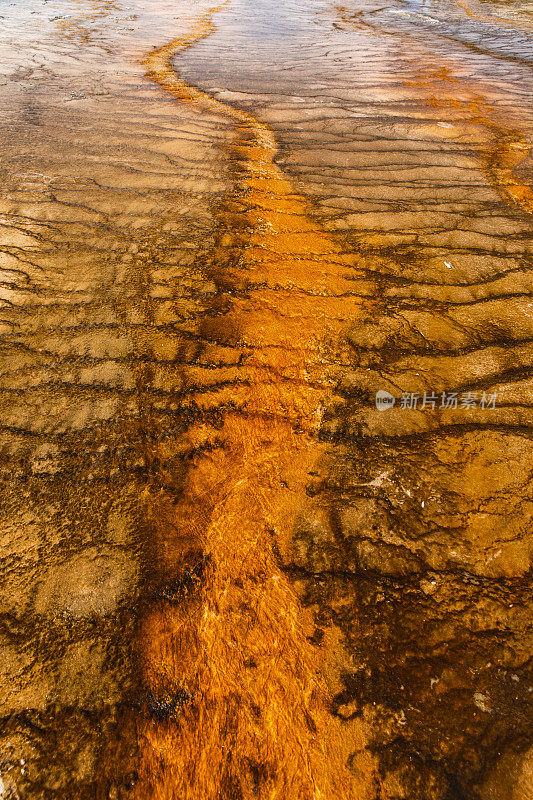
<point x="492" y="19"/>
<point x="508" y="147"/>
<point x="251" y="717"/>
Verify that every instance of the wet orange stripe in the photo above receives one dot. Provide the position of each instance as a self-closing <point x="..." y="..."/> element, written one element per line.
<point x="256" y="724"/>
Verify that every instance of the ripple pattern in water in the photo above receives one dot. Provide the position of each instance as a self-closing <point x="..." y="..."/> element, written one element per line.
<point x="200" y="300"/>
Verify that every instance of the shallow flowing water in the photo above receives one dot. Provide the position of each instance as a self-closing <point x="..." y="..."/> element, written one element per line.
<point x="226" y="572"/>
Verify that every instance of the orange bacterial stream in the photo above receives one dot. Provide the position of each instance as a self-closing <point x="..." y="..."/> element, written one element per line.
<point x="251" y="717"/>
